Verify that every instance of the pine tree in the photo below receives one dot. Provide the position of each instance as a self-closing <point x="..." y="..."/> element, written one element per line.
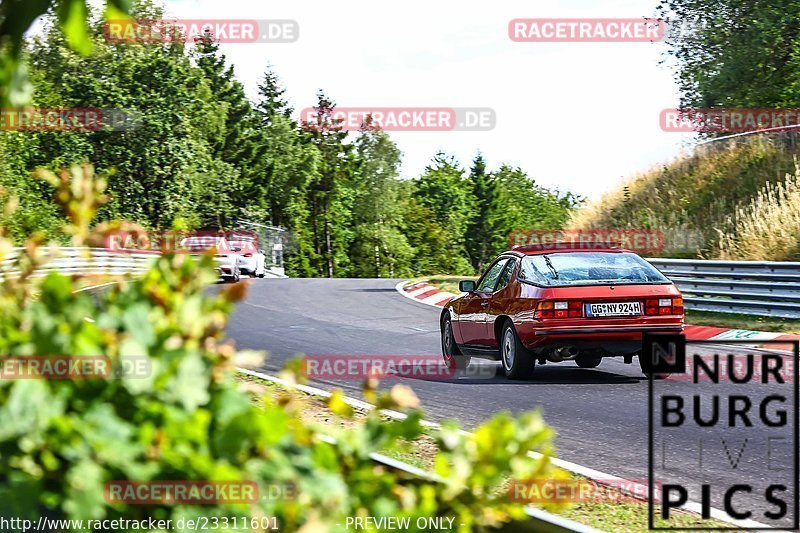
<point x="271" y="99"/>
<point x="243" y="145"/>
<point x="330" y="212"/>
<point x="480" y="231"/>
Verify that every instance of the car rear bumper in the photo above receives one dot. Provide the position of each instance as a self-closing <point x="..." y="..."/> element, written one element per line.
<point x="225" y="272"/>
<point x="608" y="336"/>
<point x="592" y="330"/>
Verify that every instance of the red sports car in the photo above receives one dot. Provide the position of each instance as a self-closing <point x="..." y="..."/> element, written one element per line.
<point x="560" y="303"/>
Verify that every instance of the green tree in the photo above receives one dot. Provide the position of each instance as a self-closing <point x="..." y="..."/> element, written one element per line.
<point x="243" y="145"/>
<point x="447" y="194"/>
<point x="329" y="193"/>
<point x="736" y="54"/>
<point x="379" y="248"/>
<point x="271" y="97"/>
<point x="522" y="205"/>
<point x="158" y="165"/>
<point x="17" y="16"/>
<point x="480" y="233"/>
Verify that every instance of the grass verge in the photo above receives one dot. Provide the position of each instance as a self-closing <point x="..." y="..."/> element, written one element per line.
<point x="616" y="513"/>
<point x="446" y="282"/>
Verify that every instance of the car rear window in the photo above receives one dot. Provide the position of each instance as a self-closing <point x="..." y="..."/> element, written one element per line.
<point x="589" y="268"/>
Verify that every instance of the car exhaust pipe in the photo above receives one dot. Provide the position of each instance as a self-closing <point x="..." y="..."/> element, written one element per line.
<point x="565" y="353"/>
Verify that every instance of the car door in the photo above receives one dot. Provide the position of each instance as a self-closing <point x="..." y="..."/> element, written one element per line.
<point x="499" y="302"/>
<point x="474" y="306"/>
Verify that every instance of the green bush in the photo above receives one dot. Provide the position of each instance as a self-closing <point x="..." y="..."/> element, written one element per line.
<point x="61" y="441"/>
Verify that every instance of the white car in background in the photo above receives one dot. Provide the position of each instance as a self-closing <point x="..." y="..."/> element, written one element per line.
<point x="254" y="260"/>
<point x="229" y="262"/>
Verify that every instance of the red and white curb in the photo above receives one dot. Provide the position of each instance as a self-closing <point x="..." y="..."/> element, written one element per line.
<point x="711" y="333"/>
<point x="424" y="292"/>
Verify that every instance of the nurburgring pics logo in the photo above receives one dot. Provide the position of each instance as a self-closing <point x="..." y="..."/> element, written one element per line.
<point x="730" y="440"/>
<point x="636" y="240"/>
<point x="399" y="118"/>
<point x="737" y="368"/>
<point x="157" y="31"/>
<point x="728" y="120"/>
<point x="605" y="30"/>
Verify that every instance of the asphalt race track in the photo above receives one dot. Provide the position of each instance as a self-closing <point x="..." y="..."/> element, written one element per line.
<point x="600" y="414"/>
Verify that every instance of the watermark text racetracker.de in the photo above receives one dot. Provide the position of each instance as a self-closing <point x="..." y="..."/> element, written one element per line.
<point x="74" y="367"/>
<point x="598" y="30"/>
<point x="399" y="118"/>
<point x="181" y="242"/>
<point x="360" y="367"/>
<point x="86" y="119"/>
<point x="9" y="524"/>
<point x="158" y="31"/>
<point x="729" y="120"/>
<point x="542" y="491"/>
<point x="639" y="240"/>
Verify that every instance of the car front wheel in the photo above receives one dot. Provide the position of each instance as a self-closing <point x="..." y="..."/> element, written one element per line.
<point x="451" y="354"/>
<point x="518" y="362"/>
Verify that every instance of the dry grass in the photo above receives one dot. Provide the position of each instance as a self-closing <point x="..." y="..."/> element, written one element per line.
<point x="768" y="228"/>
<point x="698" y="197"/>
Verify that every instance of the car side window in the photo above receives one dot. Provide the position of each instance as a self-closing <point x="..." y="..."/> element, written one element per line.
<point x="490" y="278"/>
<point x="505" y="277"/>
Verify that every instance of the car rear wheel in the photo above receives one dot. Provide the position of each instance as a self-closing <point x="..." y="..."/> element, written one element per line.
<point x="451" y="354"/>
<point x="655" y="376"/>
<point x="588" y="361"/>
<point x="518" y="362"/>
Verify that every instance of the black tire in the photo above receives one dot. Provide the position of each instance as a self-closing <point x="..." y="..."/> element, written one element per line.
<point x="517" y="361"/>
<point x="451" y="354"/>
<point x="588" y="361"/>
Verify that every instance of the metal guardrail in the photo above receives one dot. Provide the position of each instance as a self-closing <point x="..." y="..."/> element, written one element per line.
<point x="92" y="261"/>
<point x="86" y="261"/>
<point x="748" y="287"/>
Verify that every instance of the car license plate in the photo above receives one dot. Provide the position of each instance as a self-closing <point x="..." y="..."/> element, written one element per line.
<point x="614" y="309"/>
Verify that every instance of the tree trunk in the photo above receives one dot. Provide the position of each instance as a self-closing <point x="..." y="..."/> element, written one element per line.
<point x="329" y="251"/>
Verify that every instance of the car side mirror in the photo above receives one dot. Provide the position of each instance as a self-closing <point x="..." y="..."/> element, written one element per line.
<point x="466" y="285"/>
<point x="262" y="252"/>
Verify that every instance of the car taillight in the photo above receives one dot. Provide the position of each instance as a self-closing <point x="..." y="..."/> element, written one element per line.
<point x="544" y="310"/>
<point x="558" y="310"/>
<point x="248" y="254"/>
<point x="663" y="306"/>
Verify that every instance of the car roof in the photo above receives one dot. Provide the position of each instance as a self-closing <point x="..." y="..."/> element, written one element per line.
<point x="564" y="247"/>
